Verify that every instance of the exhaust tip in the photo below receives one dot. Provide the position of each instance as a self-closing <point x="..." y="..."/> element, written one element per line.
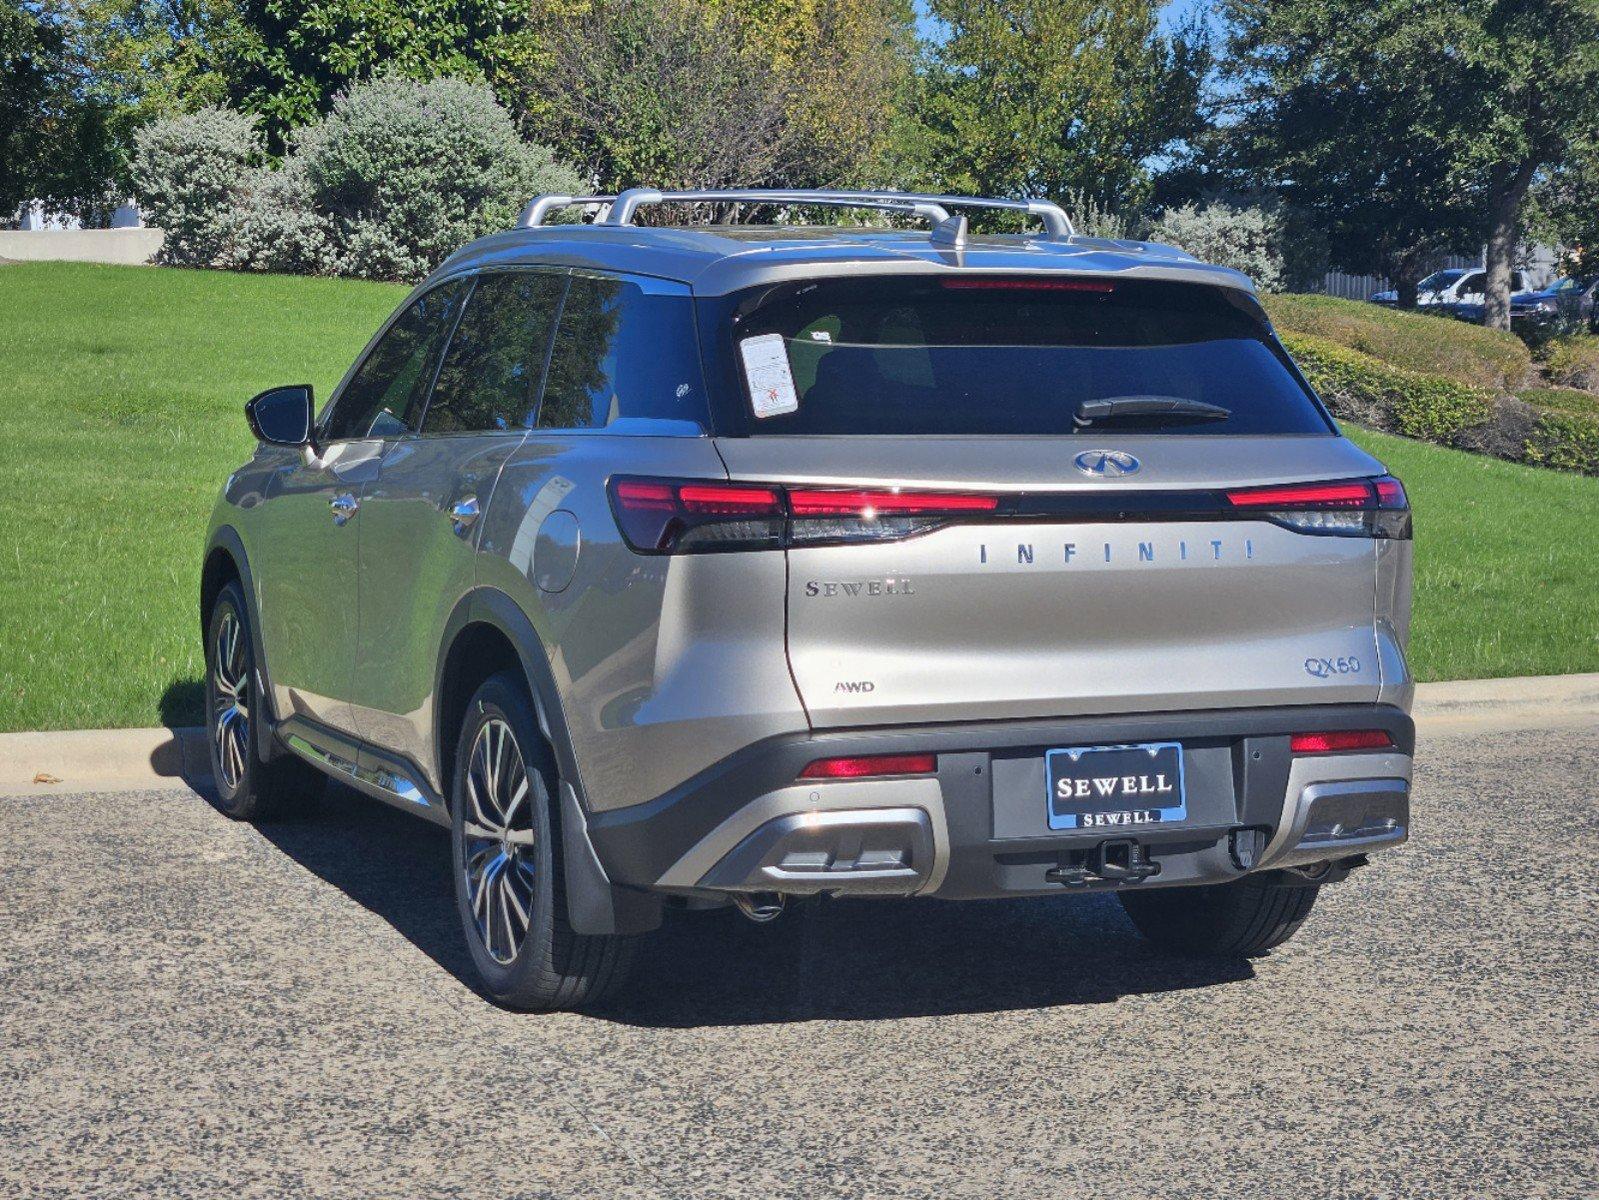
<point x="759" y="907"/>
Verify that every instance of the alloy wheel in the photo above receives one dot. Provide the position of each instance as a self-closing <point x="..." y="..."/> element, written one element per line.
<point x="498" y="842"/>
<point x="230" y="716"/>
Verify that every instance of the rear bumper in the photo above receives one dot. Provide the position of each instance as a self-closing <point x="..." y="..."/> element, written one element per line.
<point x="977" y="828"/>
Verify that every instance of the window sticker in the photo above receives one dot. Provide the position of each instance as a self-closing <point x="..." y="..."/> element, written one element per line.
<point x="771" y="381"/>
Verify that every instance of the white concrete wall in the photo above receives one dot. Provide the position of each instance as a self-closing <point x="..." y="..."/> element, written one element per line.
<point x="125" y="246"/>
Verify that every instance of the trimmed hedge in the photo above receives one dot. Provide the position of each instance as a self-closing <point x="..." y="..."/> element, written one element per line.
<point x="1540" y="428"/>
<point x="1468" y="354"/>
<point x="1573" y="361"/>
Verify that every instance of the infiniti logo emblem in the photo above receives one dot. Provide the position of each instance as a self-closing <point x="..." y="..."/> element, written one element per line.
<point x="1107" y="464"/>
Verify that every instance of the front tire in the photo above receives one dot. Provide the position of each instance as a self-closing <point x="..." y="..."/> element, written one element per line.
<point x="509" y="871"/>
<point x="1241" y="919"/>
<point x="249" y="787"/>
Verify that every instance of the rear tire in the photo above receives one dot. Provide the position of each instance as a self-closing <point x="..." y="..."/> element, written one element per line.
<point x="509" y="870"/>
<point x="249" y="787"/>
<point x="1240" y="919"/>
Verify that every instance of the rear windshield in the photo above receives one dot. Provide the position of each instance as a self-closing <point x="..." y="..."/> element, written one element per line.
<point x="988" y="355"/>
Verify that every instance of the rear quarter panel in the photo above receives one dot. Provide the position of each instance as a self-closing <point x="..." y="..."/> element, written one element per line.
<point x="664" y="665"/>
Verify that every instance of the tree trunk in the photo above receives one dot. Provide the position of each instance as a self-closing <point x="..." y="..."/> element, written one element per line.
<point x="1406" y="287"/>
<point x="1506" y="190"/>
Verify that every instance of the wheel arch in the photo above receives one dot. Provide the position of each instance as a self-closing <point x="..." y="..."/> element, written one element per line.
<point x="226" y="561"/>
<point x="484" y="626"/>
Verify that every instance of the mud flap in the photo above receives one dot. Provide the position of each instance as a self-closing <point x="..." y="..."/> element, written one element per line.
<point x="593" y="904"/>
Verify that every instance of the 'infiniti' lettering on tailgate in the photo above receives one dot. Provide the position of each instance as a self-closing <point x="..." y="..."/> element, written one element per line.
<point x="1183" y="550"/>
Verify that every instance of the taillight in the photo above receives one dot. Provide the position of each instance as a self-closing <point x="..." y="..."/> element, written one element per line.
<point x="1340" y="740"/>
<point x="662" y="516"/>
<point x="1349" y="507"/>
<point x="871" y="765"/>
<point x="855" y="515"/>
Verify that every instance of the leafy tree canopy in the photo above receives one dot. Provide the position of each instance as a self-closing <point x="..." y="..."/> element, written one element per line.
<point x="1050" y="97"/>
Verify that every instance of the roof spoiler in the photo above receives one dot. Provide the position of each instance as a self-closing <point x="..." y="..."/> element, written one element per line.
<point x="948" y="230"/>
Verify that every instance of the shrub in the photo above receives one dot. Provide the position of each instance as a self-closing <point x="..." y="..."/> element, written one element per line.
<point x="401" y="173"/>
<point x="1573" y="362"/>
<point x="1468" y="354"/>
<point x="1566" y="440"/>
<point x="1248" y="239"/>
<point x="1370" y="392"/>
<point x="188" y="173"/>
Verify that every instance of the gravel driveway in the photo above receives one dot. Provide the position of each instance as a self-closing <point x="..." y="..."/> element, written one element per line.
<point x="193" y="1007"/>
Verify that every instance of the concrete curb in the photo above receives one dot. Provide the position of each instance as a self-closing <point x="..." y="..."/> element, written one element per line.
<point x="101" y="760"/>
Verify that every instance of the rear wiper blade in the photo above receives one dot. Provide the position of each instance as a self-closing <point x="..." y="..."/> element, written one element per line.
<point x="1114" y="407"/>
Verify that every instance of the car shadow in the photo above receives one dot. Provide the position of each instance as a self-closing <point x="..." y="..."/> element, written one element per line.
<point x="859" y="960"/>
<point x="182" y="703"/>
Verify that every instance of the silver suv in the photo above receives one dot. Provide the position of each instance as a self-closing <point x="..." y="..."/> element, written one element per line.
<point x="681" y="567"/>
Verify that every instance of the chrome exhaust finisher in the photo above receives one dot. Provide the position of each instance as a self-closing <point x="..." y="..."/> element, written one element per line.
<point x="886" y="851"/>
<point x="1346" y="817"/>
<point x="760" y="907"/>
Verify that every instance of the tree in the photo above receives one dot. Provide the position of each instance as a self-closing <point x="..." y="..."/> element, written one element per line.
<point x="55" y="141"/>
<point x="1324" y="101"/>
<point x="290" y="58"/>
<point x="1049" y="97"/>
<point x="1410" y="127"/>
<point x="1532" y="68"/>
<point x="707" y="93"/>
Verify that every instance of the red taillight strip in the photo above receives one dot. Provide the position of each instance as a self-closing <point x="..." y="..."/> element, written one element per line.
<point x="714" y="498"/>
<point x="642" y="496"/>
<point x="1354" y="493"/>
<point x="1340" y="740"/>
<point x="824" y="503"/>
<point x="869" y="765"/>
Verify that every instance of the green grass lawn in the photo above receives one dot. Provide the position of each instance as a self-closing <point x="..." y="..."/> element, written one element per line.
<point x="120" y="416"/>
<point x="121" y="413"/>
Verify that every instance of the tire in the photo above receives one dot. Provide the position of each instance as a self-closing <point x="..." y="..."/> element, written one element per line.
<point x="1241" y="919"/>
<point x="509" y="871"/>
<point x="248" y="787"/>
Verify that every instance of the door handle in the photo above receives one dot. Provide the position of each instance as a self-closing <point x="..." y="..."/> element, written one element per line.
<point x="343" y="506"/>
<point x="464" y="512"/>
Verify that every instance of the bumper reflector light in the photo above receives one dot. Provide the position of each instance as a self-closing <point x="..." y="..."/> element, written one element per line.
<point x="876" y="764"/>
<point x="1343" y="739"/>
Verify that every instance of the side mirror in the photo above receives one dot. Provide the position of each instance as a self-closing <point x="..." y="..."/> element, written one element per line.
<point x="283" y="416"/>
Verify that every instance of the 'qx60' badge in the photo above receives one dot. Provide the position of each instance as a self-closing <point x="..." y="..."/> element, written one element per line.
<point x="1106" y="464"/>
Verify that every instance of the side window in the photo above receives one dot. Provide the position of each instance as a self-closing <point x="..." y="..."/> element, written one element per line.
<point x="384" y="396"/>
<point x="1471" y="285"/>
<point x="622" y="352"/>
<point x="491" y="372"/>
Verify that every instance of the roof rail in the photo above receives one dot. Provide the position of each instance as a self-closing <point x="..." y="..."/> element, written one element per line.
<point x="542" y="206"/>
<point x="931" y="207"/>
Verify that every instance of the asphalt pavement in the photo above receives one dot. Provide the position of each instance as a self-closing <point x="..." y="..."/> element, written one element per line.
<point x="192" y="1007"/>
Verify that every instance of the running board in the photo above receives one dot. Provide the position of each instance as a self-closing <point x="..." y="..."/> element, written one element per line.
<point x="369" y="770"/>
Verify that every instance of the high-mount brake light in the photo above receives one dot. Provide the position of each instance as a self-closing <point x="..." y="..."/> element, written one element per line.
<point x="665" y="516"/>
<point x="871" y="765"/>
<point x="1345" y="507"/>
<point x="1340" y="741"/>
<point x="980" y="284"/>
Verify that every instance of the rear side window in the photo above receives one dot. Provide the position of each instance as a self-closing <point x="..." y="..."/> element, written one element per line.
<point x="384" y="397"/>
<point x="490" y="376"/>
<point x="622" y="352"/>
<point x="990" y="355"/>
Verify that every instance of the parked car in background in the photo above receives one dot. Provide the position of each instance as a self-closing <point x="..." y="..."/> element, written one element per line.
<point x="1449" y="289"/>
<point x="1566" y="305"/>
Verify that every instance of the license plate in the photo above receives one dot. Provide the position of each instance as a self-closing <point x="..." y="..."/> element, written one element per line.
<point x="1115" y="787"/>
